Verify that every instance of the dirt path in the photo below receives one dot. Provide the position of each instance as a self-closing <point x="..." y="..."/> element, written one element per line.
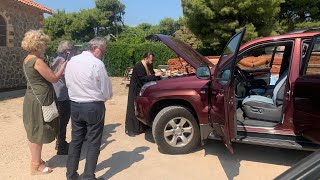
<point x="123" y="157"/>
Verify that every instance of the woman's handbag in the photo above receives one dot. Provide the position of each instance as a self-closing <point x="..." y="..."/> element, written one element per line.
<point x="50" y="112"/>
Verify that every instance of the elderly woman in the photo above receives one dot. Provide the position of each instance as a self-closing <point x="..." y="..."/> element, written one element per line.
<point x="63" y="102"/>
<point x="39" y="90"/>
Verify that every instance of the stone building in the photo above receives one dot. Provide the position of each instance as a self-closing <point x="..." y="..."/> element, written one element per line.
<point x="16" y="18"/>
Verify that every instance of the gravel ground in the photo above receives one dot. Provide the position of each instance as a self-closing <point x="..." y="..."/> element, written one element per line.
<point x="124" y="157"/>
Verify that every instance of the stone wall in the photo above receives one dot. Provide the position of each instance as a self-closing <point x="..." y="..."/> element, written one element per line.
<point x="11" y="73"/>
<point x="20" y="18"/>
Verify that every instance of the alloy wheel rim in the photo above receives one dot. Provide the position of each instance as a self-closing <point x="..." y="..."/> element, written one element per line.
<point x="178" y="132"/>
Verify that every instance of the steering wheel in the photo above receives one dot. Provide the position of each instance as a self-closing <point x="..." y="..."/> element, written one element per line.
<point x="241" y="74"/>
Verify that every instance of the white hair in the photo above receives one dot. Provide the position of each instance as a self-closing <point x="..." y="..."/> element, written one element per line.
<point x="64" y="45"/>
<point x="97" y="42"/>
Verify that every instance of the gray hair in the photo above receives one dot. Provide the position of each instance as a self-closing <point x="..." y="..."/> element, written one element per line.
<point x="64" y="45"/>
<point x="96" y="42"/>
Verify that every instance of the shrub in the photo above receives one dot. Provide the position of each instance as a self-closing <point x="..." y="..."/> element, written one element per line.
<point x="119" y="56"/>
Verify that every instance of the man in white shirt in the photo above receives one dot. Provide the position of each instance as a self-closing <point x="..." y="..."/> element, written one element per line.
<point x="89" y="87"/>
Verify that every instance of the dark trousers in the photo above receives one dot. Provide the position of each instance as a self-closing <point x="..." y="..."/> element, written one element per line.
<point x="87" y="120"/>
<point x="64" y="109"/>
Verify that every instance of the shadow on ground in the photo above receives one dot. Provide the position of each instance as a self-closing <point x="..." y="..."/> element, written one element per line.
<point x="61" y="161"/>
<point x="271" y="155"/>
<point x="148" y="135"/>
<point x="12" y="93"/>
<point x="120" y="161"/>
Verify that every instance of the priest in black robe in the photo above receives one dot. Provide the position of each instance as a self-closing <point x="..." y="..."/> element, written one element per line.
<point x="142" y="72"/>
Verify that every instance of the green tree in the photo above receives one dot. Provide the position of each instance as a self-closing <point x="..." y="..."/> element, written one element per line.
<point x="214" y="22"/>
<point x="155" y="29"/>
<point x="56" y="25"/>
<point x="132" y="35"/>
<point x="144" y="26"/>
<point x="113" y="10"/>
<point x="298" y="14"/>
<point x="85" y="24"/>
<point x="80" y="26"/>
<point x="185" y="35"/>
<point x="168" y="26"/>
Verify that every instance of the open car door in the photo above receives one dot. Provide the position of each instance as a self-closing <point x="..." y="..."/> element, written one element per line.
<point x="306" y="116"/>
<point x="221" y="111"/>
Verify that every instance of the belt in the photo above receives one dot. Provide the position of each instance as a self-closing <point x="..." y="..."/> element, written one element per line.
<point x="92" y="102"/>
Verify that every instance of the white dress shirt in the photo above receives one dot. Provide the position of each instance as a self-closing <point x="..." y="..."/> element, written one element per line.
<point x="87" y="79"/>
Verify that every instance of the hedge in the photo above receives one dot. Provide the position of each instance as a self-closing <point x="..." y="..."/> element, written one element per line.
<point x="119" y="56"/>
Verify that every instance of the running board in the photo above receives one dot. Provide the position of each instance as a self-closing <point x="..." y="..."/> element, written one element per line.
<point x="289" y="144"/>
<point x="269" y="142"/>
<point x="280" y="143"/>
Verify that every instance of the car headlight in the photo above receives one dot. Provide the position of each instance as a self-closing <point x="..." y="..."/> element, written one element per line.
<point x="145" y="86"/>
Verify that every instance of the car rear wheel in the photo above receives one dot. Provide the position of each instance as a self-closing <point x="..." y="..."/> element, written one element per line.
<point x="175" y="130"/>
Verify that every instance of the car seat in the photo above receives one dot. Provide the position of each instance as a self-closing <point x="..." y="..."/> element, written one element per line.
<point x="265" y="108"/>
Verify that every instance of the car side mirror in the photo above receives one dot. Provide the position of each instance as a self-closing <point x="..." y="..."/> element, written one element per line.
<point x="203" y="72"/>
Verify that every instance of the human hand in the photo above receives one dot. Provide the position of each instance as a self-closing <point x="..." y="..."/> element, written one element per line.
<point x="158" y="74"/>
<point x="63" y="63"/>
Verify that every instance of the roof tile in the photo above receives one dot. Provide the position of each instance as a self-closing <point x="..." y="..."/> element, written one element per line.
<point x="36" y="5"/>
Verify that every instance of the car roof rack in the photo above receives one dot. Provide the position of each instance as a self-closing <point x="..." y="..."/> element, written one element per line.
<point x="304" y="30"/>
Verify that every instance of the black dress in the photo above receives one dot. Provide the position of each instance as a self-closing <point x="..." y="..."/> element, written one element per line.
<point x="138" y="78"/>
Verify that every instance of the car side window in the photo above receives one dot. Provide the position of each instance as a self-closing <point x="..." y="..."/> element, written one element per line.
<point x="313" y="67"/>
<point x="262" y="57"/>
<point x="271" y="59"/>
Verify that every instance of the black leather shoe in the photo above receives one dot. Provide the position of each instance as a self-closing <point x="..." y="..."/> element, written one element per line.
<point x="133" y="134"/>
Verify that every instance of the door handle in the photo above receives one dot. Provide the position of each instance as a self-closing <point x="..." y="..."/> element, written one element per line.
<point x="215" y="92"/>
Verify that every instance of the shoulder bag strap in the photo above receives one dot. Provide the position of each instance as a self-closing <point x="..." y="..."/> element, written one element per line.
<point x="24" y="70"/>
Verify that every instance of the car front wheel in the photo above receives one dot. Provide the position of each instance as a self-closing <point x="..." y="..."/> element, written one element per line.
<point x="176" y="130"/>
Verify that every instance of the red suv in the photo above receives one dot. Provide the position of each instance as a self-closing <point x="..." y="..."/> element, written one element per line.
<point x="265" y="92"/>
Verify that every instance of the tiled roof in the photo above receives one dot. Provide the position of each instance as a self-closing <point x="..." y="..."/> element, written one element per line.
<point x="36" y="5"/>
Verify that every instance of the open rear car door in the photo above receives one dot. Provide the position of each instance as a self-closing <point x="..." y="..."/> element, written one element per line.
<point x="221" y="112"/>
<point x="306" y="94"/>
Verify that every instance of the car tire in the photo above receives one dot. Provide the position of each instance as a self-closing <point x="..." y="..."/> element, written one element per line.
<point x="175" y="130"/>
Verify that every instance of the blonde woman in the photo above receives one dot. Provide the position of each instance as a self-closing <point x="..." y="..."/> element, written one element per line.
<point x="39" y="88"/>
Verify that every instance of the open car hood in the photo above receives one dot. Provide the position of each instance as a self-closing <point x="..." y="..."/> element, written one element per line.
<point x="193" y="57"/>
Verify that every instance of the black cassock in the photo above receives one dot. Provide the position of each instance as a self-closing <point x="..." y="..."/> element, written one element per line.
<point x="138" y="78"/>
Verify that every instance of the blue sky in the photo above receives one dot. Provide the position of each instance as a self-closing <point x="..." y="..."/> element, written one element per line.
<point x="137" y="11"/>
